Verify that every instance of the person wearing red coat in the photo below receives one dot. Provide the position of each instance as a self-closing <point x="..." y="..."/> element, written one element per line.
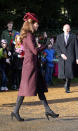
<point x="32" y="82"/>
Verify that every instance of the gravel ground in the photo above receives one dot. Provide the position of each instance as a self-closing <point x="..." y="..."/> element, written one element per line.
<point x="66" y="104"/>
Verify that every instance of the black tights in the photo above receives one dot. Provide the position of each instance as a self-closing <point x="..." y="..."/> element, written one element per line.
<point x="44" y="101"/>
<point x="41" y="97"/>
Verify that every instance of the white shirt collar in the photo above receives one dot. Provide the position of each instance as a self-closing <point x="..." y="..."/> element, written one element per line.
<point x="66" y="34"/>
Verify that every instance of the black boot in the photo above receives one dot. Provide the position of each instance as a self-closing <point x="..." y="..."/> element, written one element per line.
<point x="17" y="107"/>
<point x="52" y="114"/>
<point x="48" y="111"/>
<point x="17" y="116"/>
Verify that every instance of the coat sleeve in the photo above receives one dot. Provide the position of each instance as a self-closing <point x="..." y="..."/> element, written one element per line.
<point x="57" y="47"/>
<point x="30" y="44"/>
<point x="76" y="47"/>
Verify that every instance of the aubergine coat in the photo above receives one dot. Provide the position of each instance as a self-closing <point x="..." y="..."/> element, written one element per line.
<point x="32" y="81"/>
<point x="66" y="67"/>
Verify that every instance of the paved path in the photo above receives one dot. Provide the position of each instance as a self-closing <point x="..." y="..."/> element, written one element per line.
<point x="33" y="111"/>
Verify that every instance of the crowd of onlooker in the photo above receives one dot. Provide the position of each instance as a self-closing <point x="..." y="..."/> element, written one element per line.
<point x="48" y="57"/>
<point x="11" y="58"/>
<point x="12" y="54"/>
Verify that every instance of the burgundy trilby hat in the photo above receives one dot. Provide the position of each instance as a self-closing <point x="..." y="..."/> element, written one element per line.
<point x="30" y="16"/>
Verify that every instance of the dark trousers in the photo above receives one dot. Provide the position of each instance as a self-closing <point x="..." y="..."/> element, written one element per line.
<point x="48" y="74"/>
<point x="16" y="68"/>
<point x="3" y="74"/>
<point x="67" y="84"/>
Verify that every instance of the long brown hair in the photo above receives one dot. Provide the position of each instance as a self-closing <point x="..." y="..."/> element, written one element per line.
<point x="27" y="27"/>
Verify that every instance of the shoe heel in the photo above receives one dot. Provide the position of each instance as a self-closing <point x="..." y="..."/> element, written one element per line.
<point x="47" y="116"/>
<point x="17" y="116"/>
<point x="51" y="114"/>
<point x="12" y="116"/>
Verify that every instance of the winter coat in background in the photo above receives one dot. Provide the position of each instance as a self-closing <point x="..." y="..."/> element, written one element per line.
<point x="66" y="67"/>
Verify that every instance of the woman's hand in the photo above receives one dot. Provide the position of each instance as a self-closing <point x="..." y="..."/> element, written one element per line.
<point x="39" y="45"/>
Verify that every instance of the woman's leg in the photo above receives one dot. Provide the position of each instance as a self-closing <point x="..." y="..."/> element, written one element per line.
<point x="44" y="101"/>
<point x="18" y="104"/>
<point x="48" y="111"/>
<point x="15" y="113"/>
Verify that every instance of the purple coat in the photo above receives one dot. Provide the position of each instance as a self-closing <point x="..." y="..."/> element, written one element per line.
<point x="30" y="83"/>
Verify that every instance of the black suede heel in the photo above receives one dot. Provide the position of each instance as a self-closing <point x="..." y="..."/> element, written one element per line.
<point x="52" y="114"/>
<point x="17" y="116"/>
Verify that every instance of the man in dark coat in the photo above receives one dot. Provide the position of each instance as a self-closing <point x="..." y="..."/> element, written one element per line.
<point x="67" y="49"/>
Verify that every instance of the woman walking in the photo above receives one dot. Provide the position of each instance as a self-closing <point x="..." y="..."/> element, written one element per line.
<point x="32" y="82"/>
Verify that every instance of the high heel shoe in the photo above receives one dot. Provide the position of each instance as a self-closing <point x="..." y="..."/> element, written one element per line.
<point x="17" y="116"/>
<point x="52" y="114"/>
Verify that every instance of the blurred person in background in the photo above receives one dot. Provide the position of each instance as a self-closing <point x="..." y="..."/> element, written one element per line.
<point x="49" y="56"/>
<point x="67" y="49"/>
<point x="4" y="59"/>
<point x="9" y="35"/>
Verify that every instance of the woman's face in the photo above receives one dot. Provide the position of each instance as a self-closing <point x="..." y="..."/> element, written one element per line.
<point x="35" y="26"/>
